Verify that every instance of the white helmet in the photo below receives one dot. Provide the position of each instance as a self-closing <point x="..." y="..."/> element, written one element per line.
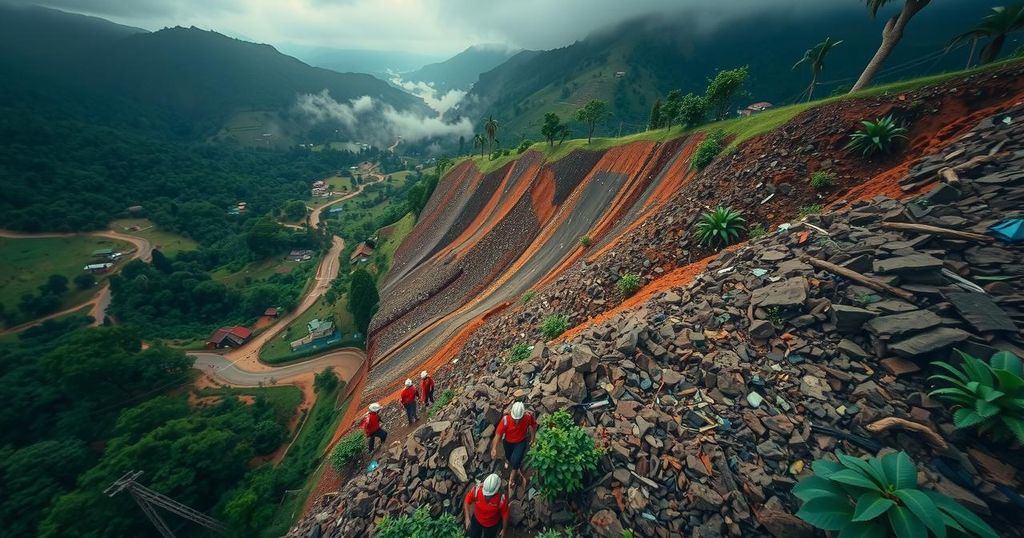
<point x="408" y="382"/>
<point x="491" y="484"/>
<point x="374" y="407"/>
<point x="518" y="410"/>
<point x="424" y="374"/>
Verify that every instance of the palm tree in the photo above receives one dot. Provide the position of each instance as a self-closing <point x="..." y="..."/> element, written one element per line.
<point x="891" y="35"/>
<point x="816" y="57"/>
<point x="479" y="142"/>
<point x="443" y="163"/>
<point x="995" y="27"/>
<point x="491" y="126"/>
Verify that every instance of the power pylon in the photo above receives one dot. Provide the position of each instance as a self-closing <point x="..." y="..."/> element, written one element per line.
<point x="148" y="500"/>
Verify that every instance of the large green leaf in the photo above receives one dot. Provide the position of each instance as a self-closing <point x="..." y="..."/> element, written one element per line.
<point x="954" y="395"/>
<point x="865" y="529"/>
<point x="900" y="470"/>
<point x="990" y="394"/>
<point x="986" y="409"/>
<point x="1016" y="426"/>
<point x="925" y="510"/>
<point x="816" y="486"/>
<point x="1004" y="360"/>
<point x="871" y="505"/>
<point x="876" y="474"/>
<point x="854" y="478"/>
<point x="824" y="468"/>
<point x="1008" y="382"/>
<point x="827" y="513"/>
<point x="958" y="374"/>
<point x="967" y="519"/>
<point x="905" y="524"/>
<point x="965" y="418"/>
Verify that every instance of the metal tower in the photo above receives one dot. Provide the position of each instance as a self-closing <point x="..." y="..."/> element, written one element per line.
<point x="148" y="500"/>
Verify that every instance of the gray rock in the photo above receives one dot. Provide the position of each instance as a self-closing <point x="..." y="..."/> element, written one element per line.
<point x="851" y="350"/>
<point x="897" y="325"/>
<point x="850" y="319"/>
<point x="761" y="329"/>
<point x="606" y="524"/>
<point x="786" y="293"/>
<point x="908" y="264"/>
<point x="928" y="342"/>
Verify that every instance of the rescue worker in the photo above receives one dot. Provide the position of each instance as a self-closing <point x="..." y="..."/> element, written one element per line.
<point x="371" y="426"/>
<point x="490" y="509"/>
<point x="408" y="399"/>
<point x="517" y="431"/>
<point x="426" y="388"/>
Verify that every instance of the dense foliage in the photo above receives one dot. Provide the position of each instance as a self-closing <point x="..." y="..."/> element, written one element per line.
<point x="554" y="325"/>
<point x="592" y="114"/>
<point x="880" y="497"/>
<point x="990" y="396"/>
<point x="707" y="150"/>
<point x="348" y="449"/>
<point x="443" y="399"/>
<point x="628" y="284"/>
<point x="822" y="180"/>
<point x="879" y="136"/>
<point x="362" y="299"/>
<point x="563" y="455"/>
<point x="554" y="128"/>
<point x="720" y="227"/>
<point x="518" y="352"/>
<point x="419" y="525"/>
<point x="721" y="89"/>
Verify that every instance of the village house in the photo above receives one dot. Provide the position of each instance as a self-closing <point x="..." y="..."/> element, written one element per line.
<point x="98" y="268"/>
<point x="319" y="330"/>
<point x="300" y="255"/>
<point x="362" y="253"/>
<point x="754" y="108"/>
<point x="271" y="312"/>
<point x="226" y="337"/>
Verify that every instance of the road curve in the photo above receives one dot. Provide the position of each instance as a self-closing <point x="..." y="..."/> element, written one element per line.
<point x="346" y="362"/>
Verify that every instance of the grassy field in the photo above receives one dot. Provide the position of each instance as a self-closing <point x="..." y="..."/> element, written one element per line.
<point x="386" y="249"/>
<point x="256" y="271"/>
<point x="284" y="399"/>
<point x="277" y="350"/>
<point x="27" y="263"/>
<point x="166" y="242"/>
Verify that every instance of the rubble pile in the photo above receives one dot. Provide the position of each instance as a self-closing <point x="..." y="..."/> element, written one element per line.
<point x="813" y="339"/>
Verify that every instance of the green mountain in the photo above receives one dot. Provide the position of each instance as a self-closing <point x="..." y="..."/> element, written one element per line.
<point x="379" y="63"/>
<point x="632" y="64"/>
<point x="463" y="69"/>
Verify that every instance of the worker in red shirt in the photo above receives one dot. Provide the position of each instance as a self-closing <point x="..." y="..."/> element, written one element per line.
<point x="371" y="426"/>
<point x="517" y="431"/>
<point x="408" y="399"/>
<point x="426" y="388"/>
<point x="490" y="509"/>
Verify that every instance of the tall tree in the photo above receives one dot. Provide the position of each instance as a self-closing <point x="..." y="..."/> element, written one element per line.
<point x="692" y="109"/>
<point x="815" y="57"/>
<point x="892" y="33"/>
<point x="593" y="113"/>
<point x="655" y="119"/>
<point x="723" y="88"/>
<point x="994" y="27"/>
<point x="362" y="299"/>
<point x="462" y="144"/>
<point x="670" y="110"/>
<point x="552" y="127"/>
<point x="491" y="128"/>
<point x="443" y="163"/>
<point x="480" y="142"/>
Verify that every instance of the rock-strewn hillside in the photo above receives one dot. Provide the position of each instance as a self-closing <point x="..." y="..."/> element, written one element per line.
<point x="726" y="388"/>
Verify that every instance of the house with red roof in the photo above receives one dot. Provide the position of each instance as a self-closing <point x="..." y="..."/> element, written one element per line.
<point x="226" y="337"/>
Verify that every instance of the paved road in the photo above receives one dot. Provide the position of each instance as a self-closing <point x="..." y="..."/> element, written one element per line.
<point x="345" y="361"/>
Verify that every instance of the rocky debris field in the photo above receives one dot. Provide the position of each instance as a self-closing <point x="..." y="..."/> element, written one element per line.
<point x="725" y="390"/>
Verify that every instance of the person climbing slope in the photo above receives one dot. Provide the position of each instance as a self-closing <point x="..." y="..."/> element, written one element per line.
<point x="426" y="388"/>
<point x="371" y="426"/>
<point x="513" y="430"/>
<point x="408" y="399"/>
<point x="490" y="509"/>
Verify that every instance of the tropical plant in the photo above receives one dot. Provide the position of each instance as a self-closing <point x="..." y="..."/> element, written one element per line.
<point x="808" y="210"/>
<point x="552" y="128"/>
<point x="419" y="525"/>
<point x="527" y="296"/>
<point x="721" y="89"/>
<point x="995" y="26"/>
<point x="720" y="227"/>
<point x="990" y="396"/>
<point x="692" y="110"/>
<point x="443" y="399"/>
<point x="480" y="142"/>
<point x="707" y="150"/>
<point x="877" y="136"/>
<point x="523" y="146"/>
<point x="757" y="230"/>
<point x="593" y="113"/>
<point x="628" y="284"/>
<point x="586" y="241"/>
<point x="892" y="33"/>
<point x="879" y="497"/>
<point x="348" y="450"/>
<point x="670" y="110"/>
<point x="563" y="455"/>
<point x="491" y="128"/>
<point x="518" y="353"/>
<point x="554" y="325"/>
<point x="822" y="180"/>
<point x="815" y="57"/>
<point x="442" y="164"/>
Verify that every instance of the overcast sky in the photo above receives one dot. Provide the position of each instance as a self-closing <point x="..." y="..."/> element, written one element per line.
<point x="426" y="26"/>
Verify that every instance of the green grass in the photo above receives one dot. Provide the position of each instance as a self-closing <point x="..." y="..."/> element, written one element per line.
<point x="386" y="249"/>
<point x="256" y="271"/>
<point x="166" y="242"/>
<point x="27" y="263"/>
<point x="283" y="399"/>
<point x="277" y="351"/>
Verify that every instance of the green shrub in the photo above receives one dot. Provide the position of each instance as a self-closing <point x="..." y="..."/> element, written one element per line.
<point x="518" y="353"/>
<point x="443" y="399"/>
<point x="990" y="396"/>
<point x="808" y="210"/>
<point x="523" y="146"/>
<point x="527" y="296"/>
<point x="757" y="230"/>
<point x="562" y="456"/>
<point x="585" y="241"/>
<point x="822" y="180"/>
<point x="419" y="525"/>
<point x="554" y="325"/>
<point x="880" y="497"/>
<point x="708" y="149"/>
<point x="554" y="533"/>
<point x="348" y="450"/>
<point x="720" y="227"/>
<point x="877" y="136"/>
<point x="628" y="284"/>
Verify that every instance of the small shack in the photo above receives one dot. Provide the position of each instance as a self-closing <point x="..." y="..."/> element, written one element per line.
<point x="226" y="337"/>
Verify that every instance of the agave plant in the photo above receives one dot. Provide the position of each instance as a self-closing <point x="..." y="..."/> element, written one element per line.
<point x="720" y="227"/>
<point x="877" y="136"/>
<point x="990" y="396"/>
<point x="879" y="497"/>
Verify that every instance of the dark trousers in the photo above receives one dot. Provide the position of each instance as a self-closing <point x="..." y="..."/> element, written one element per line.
<point x="476" y="530"/>
<point x="429" y="397"/>
<point x="410" y="412"/>
<point x="514" y="453"/>
<point x="379" y="434"/>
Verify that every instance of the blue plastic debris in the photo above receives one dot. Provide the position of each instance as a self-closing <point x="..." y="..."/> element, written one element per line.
<point x="372" y="466"/>
<point x="1011" y="231"/>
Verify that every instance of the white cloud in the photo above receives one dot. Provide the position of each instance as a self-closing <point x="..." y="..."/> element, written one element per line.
<point x="428" y="93"/>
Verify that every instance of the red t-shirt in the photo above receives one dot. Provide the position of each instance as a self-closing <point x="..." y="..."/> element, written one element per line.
<point x="408" y="395"/>
<point x="371" y="423"/>
<point x="489" y="512"/>
<point x="515" y="432"/>
<point x="426" y="385"/>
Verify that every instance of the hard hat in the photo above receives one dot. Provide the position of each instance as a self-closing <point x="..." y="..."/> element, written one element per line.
<point x="491" y="484"/>
<point x="424" y="374"/>
<point x="408" y="382"/>
<point x="518" y="410"/>
<point x="375" y="407"/>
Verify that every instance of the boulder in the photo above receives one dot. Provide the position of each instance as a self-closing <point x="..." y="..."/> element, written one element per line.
<point x="784" y="294"/>
<point x="457" y="463"/>
<point x="908" y="264"/>
<point x="928" y="342"/>
<point x="606" y="524"/>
